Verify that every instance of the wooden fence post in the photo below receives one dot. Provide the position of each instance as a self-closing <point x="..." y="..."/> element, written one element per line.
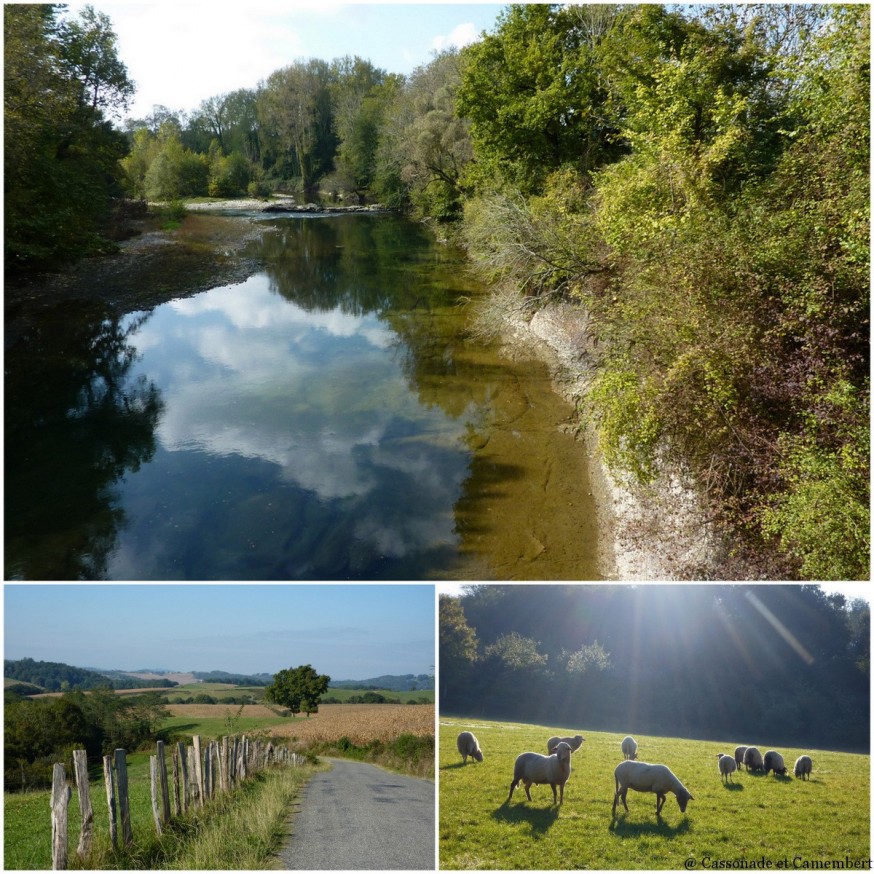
<point x="165" y="788"/>
<point x="207" y="774"/>
<point x="153" y="775"/>
<point x="110" y="800"/>
<point x="192" y="775"/>
<point x="177" y="804"/>
<point x="183" y="767"/>
<point x="61" y="793"/>
<point x="127" y="835"/>
<point x="223" y="763"/>
<point x="198" y="769"/>
<point x="80" y="766"/>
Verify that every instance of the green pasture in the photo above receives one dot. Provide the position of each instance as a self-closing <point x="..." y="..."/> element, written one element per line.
<point x="214" y="727"/>
<point x="219" y="691"/>
<point x="27" y="827"/>
<point x="785" y="821"/>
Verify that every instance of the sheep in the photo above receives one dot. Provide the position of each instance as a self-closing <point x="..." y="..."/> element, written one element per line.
<point x="753" y="759"/>
<point x="536" y="768"/>
<point x="644" y="777"/>
<point x="739" y="755"/>
<point x="468" y="745"/>
<point x="629" y="748"/>
<point x="773" y="761"/>
<point x="574" y="743"/>
<point x="727" y="765"/>
<point x="803" y="767"/>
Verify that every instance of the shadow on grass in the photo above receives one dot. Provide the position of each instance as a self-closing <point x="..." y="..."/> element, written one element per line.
<point x="165" y="734"/>
<point x="624" y="829"/>
<point x="733" y="787"/>
<point x="455" y="766"/>
<point x="540" y="819"/>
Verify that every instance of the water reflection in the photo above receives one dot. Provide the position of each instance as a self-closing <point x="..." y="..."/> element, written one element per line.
<point x="78" y="419"/>
<point x="326" y="419"/>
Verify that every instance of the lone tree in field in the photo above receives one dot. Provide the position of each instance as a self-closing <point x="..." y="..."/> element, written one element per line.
<point x="298" y="689"/>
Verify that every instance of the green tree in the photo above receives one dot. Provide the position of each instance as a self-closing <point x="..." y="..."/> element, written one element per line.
<point x="297" y="689"/>
<point x="60" y="151"/>
<point x="534" y="97"/>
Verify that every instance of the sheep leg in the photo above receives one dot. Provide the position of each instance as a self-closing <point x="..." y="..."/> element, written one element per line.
<point x="660" y="801"/>
<point x="528" y="789"/>
<point x="512" y="787"/>
<point x="561" y="795"/>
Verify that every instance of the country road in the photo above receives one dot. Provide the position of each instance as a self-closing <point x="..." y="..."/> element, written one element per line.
<point x="360" y="817"/>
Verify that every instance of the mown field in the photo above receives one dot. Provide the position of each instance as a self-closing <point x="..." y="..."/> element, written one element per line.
<point x="784" y="821"/>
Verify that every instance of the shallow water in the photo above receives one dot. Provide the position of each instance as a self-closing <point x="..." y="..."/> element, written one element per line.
<point x="326" y="419"/>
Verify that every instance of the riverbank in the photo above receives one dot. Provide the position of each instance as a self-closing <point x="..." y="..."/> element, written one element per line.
<point x="660" y="532"/>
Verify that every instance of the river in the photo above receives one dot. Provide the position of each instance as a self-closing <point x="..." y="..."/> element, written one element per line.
<point x="328" y="418"/>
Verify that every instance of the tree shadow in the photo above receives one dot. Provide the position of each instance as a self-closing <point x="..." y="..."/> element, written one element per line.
<point x="539" y="819"/>
<point x="170" y="731"/>
<point x="620" y="827"/>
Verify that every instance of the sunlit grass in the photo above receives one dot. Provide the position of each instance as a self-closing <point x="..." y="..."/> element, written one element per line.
<point x="240" y="830"/>
<point x="758" y="817"/>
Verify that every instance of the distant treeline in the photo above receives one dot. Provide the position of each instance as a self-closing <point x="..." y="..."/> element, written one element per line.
<point x="392" y="682"/>
<point x="58" y="677"/>
<point x="234" y="679"/>
<point x="772" y="664"/>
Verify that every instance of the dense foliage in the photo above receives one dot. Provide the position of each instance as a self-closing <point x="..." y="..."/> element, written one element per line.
<point x="718" y="236"/>
<point x="63" y="82"/>
<point x="58" y="677"/>
<point x="721" y="662"/>
<point x="38" y="733"/>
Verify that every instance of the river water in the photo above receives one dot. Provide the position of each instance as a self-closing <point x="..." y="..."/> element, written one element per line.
<point x="328" y="418"/>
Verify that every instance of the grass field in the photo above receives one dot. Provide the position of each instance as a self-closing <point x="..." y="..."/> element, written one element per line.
<point x="784" y="821"/>
<point x="239" y="831"/>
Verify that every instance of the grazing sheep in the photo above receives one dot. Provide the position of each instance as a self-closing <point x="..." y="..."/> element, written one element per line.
<point x="727" y="766"/>
<point x="753" y="759"/>
<point x="535" y="768"/>
<point x="773" y="761"/>
<point x="574" y="743"/>
<point x="644" y="777"/>
<point x="629" y="748"/>
<point x="803" y="767"/>
<point x="739" y="755"/>
<point x="468" y="745"/>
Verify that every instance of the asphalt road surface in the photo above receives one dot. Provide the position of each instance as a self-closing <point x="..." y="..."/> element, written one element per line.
<point x="358" y="817"/>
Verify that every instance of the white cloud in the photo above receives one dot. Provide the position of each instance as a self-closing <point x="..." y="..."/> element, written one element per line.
<point x="462" y="35"/>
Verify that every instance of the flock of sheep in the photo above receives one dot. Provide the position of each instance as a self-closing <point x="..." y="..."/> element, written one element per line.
<point x="555" y="769"/>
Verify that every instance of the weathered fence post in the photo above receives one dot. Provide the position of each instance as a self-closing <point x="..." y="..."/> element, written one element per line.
<point x="177" y="804"/>
<point x="127" y="835"/>
<point x="80" y="766"/>
<point x="207" y="774"/>
<point x="222" y="750"/>
<point x="153" y="775"/>
<point x="192" y="775"/>
<point x="110" y="800"/>
<point x="198" y="769"/>
<point x="183" y="767"/>
<point x="165" y="789"/>
<point x="61" y="793"/>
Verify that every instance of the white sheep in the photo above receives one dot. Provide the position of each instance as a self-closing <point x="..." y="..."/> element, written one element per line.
<point x="727" y="765"/>
<point x="629" y="747"/>
<point x="803" y="767"/>
<point x="773" y="761"/>
<point x="644" y="777"/>
<point x="753" y="759"/>
<point x="468" y="745"/>
<point x="536" y="768"/>
<point x="574" y="743"/>
<point x="739" y="755"/>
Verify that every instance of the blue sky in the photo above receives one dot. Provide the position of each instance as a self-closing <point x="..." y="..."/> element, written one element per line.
<point x="351" y="632"/>
<point x="180" y="53"/>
